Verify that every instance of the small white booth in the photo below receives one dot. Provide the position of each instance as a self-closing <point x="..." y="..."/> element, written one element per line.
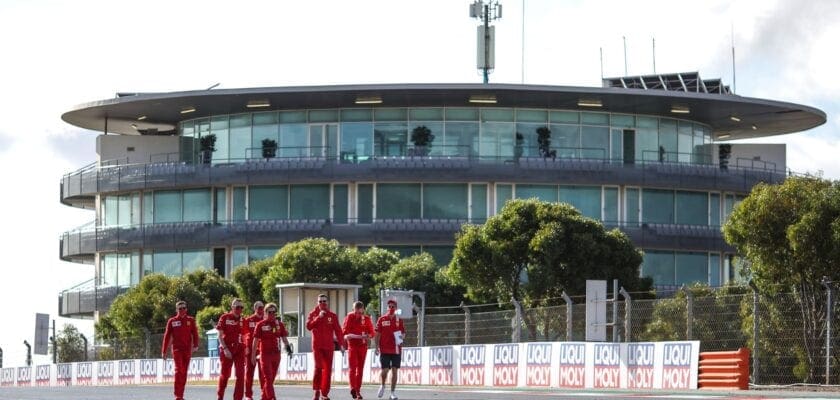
<point x="298" y="299"/>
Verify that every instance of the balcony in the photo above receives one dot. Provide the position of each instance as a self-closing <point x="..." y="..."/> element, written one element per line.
<point x="79" y="188"/>
<point x="82" y="300"/>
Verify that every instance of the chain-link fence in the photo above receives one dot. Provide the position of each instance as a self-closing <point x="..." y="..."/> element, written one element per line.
<point x="786" y="332"/>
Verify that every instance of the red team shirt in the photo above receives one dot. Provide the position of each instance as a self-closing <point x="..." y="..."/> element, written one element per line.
<point x="267" y="333"/>
<point x="357" y="325"/>
<point x="181" y="332"/>
<point x="248" y="328"/>
<point x="386" y="326"/>
<point x="323" y="329"/>
<point x="232" y="328"/>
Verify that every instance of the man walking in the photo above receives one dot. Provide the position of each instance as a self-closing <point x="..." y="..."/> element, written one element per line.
<point x="325" y="331"/>
<point x="357" y="329"/>
<point x="182" y="334"/>
<point x="232" y="350"/>
<point x="389" y="336"/>
<point x="267" y="334"/>
<point x="248" y="333"/>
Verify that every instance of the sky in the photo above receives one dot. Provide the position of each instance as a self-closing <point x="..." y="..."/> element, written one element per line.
<point x="56" y="54"/>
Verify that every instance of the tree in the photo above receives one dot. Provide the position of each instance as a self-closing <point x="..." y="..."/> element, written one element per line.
<point x="70" y="345"/>
<point x="420" y="273"/>
<point x="544" y="142"/>
<point x="368" y="266"/>
<point x="248" y="280"/>
<point x="534" y="250"/>
<point x="213" y="287"/>
<point x="790" y="234"/>
<point x="422" y="138"/>
<point x="311" y="261"/>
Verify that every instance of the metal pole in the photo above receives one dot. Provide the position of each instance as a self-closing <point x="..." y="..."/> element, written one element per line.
<point x="755" y="332"/>
<point x="523" y="42"/>
<point x="569" y="309"/>
<point x="615" y="311"/>
<point x="828" y="312"/>
<point x="515" y="334"/>
<point x="486" y="43"/>
<point x="54" y="343"/>
<point x="84" y="339"/>
<point x="628" y="304"/>
<point x="1" y="357"/>
<point x="466" y="323"/>
<point x="28" y="353"/>
<point x="689" y="313"/>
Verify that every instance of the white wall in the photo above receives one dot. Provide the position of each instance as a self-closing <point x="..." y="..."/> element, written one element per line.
<point x="137" y="149"/>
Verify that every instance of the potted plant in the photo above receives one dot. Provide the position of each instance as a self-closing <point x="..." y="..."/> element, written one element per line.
<point x="517" y="147"/>
<point x="544" y="143"/>
<point x="269" y="148"/>
<point x="422" y="138"/>
<point x="724" y="152"/>
<point x="207" y="145"/>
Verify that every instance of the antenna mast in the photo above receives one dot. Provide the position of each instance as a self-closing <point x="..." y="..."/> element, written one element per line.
<point x="624" y="38"/>
<point x="654" y="55"/>
<point x="492" y="10"/>
<point x="732" y="38"/>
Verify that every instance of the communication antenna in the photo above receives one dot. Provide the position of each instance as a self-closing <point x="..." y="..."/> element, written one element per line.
<point x="732" y="38"/>
<point x="624" y="38"/>
<point x="523" y="42"/>
<point x="485" y="12"/>
<point x="601" y="50"/>
<point x="654" y="55"/>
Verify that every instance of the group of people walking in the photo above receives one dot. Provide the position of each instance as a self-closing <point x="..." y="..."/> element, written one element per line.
<point x="253" y="343"/>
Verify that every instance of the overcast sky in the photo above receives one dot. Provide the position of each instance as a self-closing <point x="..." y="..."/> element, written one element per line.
<point x="55" y="54"/>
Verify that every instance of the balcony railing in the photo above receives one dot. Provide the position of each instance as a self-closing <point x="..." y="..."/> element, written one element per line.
<point x="86" y="298"/>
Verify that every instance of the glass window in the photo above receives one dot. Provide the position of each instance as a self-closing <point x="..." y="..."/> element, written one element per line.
<point x="437" y="146"/>
<point x="220" y="206"/>
<point x="124" y="270"/>
<point x="647" y="143"/>
<point x="148" y="208"/>
<point x="610" y="214"/>
<point x="135" y="209"/>
<point x="590" y="118"/>
<point x="461" y="139"/>
<point x="504" y="193"/>
<point x="240" y="207"/>
<point x="268" y="202"/>
<point x="309" y="201"/>
<point x="657" y="206"/>
<point x="497" y="114"/>
<point x="530" y="146"/>
<point x="714" y="209"/>
<point x="135" y="268"/>
<point x="496" y="140"/>
<point x="356" y="115"/>
<point x="659" y="265"/>
<point x="340" y="204"/>
<point x="195" y="260"/>
<point x="197" y="205"/>
<point x="148" y="264"/>
<point x="239" y="257"/>
<point x="566" y="140"/>
<point x="631" y="206"/>
<point x="365" y="203"/>
<point x="462" y="114"/>
<point x="124" y="205"/>
<point x="323" y="116"/>
<point x="691" y="267"/>
<point x="292" y="117"/>
<point x="426" y="114"/>
<point x="389" y="114"/>
<point x="240" y="137"/>
<point x="685" y="142"/>
<point x="714" y="270"/>
<point x="616" y="148"/>
<point x="445" y="201"/>
<point x="538" y="116"/>
<point x="356" y="141"/>
<point x="622" y="120"/>
<point x="108" y="270"/>
<point x="668" y="139"/>
<point x="540" y="192"/>
<point x="403" y="250"/>
<point x="167" y="263"/>
<point x="478" y="213"/>
<point x="293" y="141"/>
<point x="167" y="206"/>
<point x="587" y="199"/>
<point x="111" y="211"/>
<point x="265" y="127"/>
<point x="390" y="139"/>
<point x="728" y="205"/>
<point x="441" y="254"/>
<point x="594" y="142"/>
<point x="261" y="253"/>
<point x="219" y="127"/>
<point x="692" y="208"/>
<point x="565" y="117"/>
<point x="398" y="200"/>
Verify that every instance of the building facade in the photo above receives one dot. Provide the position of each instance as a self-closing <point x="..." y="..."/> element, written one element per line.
<point x="344" y="162"/>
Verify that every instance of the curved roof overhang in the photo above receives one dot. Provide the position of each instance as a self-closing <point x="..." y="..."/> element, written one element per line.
<point x="732" y="115"/>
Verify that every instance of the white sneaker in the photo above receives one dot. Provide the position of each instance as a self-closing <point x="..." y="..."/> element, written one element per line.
<point x="394" y="396"/>
<point x="381" y="392"/>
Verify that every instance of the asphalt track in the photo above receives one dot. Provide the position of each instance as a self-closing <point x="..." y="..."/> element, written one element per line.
<point x="299" y="392"/>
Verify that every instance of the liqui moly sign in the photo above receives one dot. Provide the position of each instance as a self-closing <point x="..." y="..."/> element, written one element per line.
<point x="640" y="365"/>
<point x="505" y="365"/>
<point x="607" y="372"/>
<point x="676" y="366"/>
<point x="572" y="365"/>
<point x="440" y="365"/>
<point x="196" y="369"/>
<point x="298" y="365"/>
<point x="472" y="365"/>
<point x="410" y="366"/>
<point x="84" y="374"/>
<point x="538" y="364"/>
<point x="125" y="373"/>
<point x="105" y="373"/>
<point x="148" y="371"/>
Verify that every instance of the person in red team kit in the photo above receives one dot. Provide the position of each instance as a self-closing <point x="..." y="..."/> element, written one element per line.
<point x="248" y="333"/>
<point x="232" y="350"/>
<point x="182" y="334"/>
<point x="389" y="333"/>
<point x="358" y="329"/>
<point x="266" y="335"/>
<point x="325" y="330"/>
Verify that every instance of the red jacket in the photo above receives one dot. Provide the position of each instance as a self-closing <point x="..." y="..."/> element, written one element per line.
<point x="357" y="325"/>
<point x="267" y="334"/>
<point x="324" y="329"/>
<point x="386" y="326"/>
<point x="230" y="330"/>
<point x="181" y="332"/>
<point x="248" y="327"/>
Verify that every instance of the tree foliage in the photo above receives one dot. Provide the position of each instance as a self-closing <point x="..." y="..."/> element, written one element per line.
<point x="248" y="280"/>
<point x="790" y="234"/>
<point x="534" y="250"/>
<point x="420" y="273"/>
<point x="70" y="345"/>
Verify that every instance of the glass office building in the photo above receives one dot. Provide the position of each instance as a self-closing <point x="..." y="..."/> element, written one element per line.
<point x="640" y="154"/>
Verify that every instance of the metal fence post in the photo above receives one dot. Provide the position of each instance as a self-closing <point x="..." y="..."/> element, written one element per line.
<point x="569" y="308"/>
<point x="689" y="313"/>
<point x="515" y="334"/>
<point x="628" y="308"/>
<point x="466" y="323"/>
<point x="755" y="332"/>
<point x="828" y="316"/>
<point x="148" y="338"/>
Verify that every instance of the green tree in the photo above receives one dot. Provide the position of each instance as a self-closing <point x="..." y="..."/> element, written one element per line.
<point x="70" y="345"/>
<point x="420" y="273"/>
<point x="248" y="280"/>
<point x="790" y="234"/>
<point x="368" y="266"/>
<point x="534" y="250"/>
<point x="312" y="261"/>
<point x="214" y="288"/>
<point x="207" y="317"/>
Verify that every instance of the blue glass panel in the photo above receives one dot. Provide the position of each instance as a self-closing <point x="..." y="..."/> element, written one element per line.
<point x="445" y="201"/>
<point x="239" y="257"/>
<point x="167" y="263"/>
<point x="595" y="142"/>
<point x="461" y="114"/>
<point x="659" y="265"/>
<point x="390" y="114"/>
<point x="261" y="253"/>
<point x="356" y="141"/>
<point x="714" y="270"/>
<point x="479" y="203"/>
<point x="426" y="114"/>
<point x="587" y="199"/>
<point x="691" y="268"/>
<point x="294" y="141"/>
<point x="323" y="116"/>
<point x="309" y="201"/>
<point x="240" y="136"/>
<point x="197" y="205"/>
<point x="356" y="115"/>
<point x="610" y="205"/>
<point x="714" y="209"/>
<point x="692" y="208"/>
<point x="398" y="200"/>
<point x="441" y="254"/>
<point x="497" y="114"/>
<point x="339" y="204"/>
<point x="268" y="202"/>
<point x="538" y="116"/>
<point x="631" y="205"/>
<point x="239" y="205"/>
<point x="540" y="192"/>
<point x="167" y="206"/>
<point x="657" y="206"/>
<point x="461" y="139"/>
<point x="365" y="203"/>
<point x="195" y="260"/>
<point x="503" y="194"/>
<point x="390" y="138"/>
<point x="565" y="117"/>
